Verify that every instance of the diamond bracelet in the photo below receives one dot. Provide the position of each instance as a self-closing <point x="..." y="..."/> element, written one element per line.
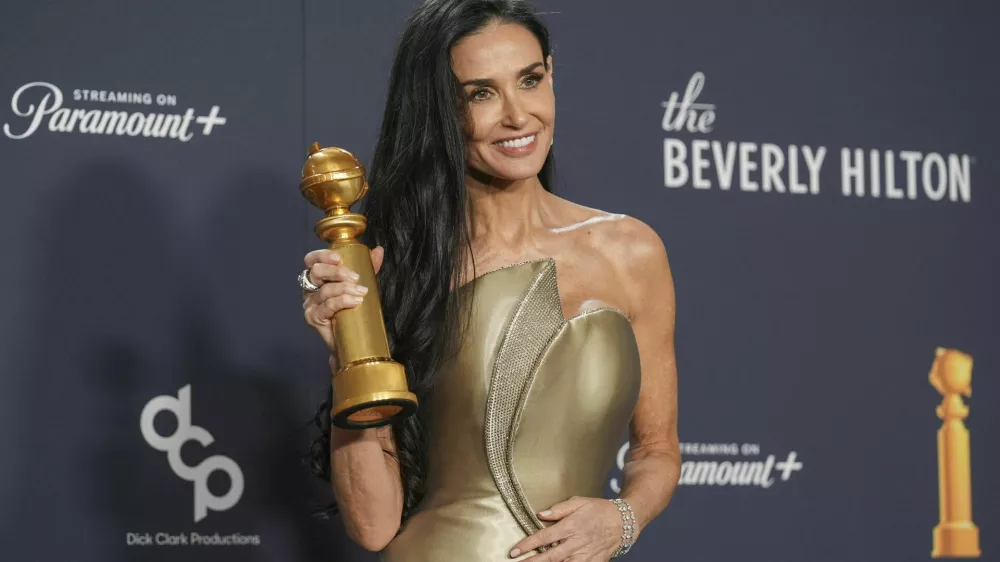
<point x="628" y="526"/>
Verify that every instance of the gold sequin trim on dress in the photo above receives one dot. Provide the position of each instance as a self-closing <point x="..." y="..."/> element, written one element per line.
<point x="535" y="322"/>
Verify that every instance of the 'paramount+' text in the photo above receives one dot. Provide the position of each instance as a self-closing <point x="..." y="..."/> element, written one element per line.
<point x="40" y="106"/>
<point x="191" y="539"/>
<point x="728" y="464"/>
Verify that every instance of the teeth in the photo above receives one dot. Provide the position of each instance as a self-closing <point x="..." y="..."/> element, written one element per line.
<point x="517" y="143"/>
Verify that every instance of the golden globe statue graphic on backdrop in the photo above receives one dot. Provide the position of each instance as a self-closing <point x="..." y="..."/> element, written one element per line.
<point x="955" y="536"/>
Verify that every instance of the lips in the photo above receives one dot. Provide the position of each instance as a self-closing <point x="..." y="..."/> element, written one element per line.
<point x="518" y="146"/>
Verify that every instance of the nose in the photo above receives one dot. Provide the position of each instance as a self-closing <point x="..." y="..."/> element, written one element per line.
<point x="514" y="113"/>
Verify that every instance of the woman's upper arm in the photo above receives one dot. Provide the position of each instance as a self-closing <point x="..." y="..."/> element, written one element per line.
<point x="649" y="283"/>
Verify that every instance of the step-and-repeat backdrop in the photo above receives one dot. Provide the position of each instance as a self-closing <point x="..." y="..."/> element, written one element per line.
<point x="824" y="180"/>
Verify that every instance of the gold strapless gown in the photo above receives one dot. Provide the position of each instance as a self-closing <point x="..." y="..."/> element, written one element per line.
<point x="530" y="412"/>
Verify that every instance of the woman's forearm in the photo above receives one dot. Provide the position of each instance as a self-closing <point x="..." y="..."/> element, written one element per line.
<point x="367" y="486"/>
<point x="366" y="483"/>
<point x="650" y="480"/>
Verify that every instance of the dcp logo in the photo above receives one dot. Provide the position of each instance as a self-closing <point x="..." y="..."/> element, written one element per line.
<point x="181" y="408"/>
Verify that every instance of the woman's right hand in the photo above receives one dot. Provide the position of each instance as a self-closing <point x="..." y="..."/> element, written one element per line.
<point x="337" y="290"/>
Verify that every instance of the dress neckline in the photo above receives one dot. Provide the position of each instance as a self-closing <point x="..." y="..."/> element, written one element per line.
<point x="551" y="260"/>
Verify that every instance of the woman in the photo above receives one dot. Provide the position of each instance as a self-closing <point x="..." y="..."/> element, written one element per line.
<point x="528" y="375"/>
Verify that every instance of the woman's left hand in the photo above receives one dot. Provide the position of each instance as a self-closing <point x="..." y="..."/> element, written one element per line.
<point x="586" y="530"/>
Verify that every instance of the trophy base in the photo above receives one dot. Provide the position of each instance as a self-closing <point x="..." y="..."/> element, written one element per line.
<point x="374" y="394"/>
<point x="956" y="540"/>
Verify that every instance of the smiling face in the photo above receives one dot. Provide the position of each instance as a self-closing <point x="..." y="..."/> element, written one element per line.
<point x="511" y="105"/>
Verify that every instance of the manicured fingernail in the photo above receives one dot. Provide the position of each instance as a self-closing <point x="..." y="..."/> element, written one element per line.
<point x="362" y="289"/>
<point x="334" y="257"/>
<point x="515" y="552"/>
<point x="353" y="275"/>
<point x="351" y="299"/>
<point x="546" y="513"/>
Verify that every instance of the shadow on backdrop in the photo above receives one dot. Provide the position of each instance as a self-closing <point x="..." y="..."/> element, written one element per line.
<point x="128" y="315"/>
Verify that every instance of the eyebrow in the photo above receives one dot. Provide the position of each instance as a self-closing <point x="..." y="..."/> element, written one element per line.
<point x="489" y="82"/>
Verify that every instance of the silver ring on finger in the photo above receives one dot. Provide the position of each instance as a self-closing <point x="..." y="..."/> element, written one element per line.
<point x="305" y="283"/>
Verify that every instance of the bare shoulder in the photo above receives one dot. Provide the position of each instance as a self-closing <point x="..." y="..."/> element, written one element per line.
<point x="636" y="254"/>
<point x="631" y="249"/>
<point x="625" y="242"/>
<point x="629" y="245"/>
<point x="641" y="262"/>
<point x="586" y="220"/>
<point x="640" y="249"/>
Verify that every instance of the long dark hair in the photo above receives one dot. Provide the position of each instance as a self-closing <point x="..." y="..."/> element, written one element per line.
<point x="417" y="209"/>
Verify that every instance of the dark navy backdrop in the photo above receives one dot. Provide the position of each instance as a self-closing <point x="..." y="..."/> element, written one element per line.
<point x="807" y="322"/>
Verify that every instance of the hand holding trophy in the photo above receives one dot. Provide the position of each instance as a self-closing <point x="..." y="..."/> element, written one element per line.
<point x="370" y="388"/>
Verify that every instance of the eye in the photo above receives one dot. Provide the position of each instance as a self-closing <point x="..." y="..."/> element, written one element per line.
<point x="479" y="94"/>
<point x="532" y="80"/>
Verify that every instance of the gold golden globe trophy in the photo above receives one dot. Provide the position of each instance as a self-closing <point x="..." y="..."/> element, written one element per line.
<point x="370" y="388"/>
<point x="955" y="536"/>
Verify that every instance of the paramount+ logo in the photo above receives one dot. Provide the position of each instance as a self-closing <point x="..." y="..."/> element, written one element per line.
<point x="38" y="106"/>
<point x="180" y="407"/>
